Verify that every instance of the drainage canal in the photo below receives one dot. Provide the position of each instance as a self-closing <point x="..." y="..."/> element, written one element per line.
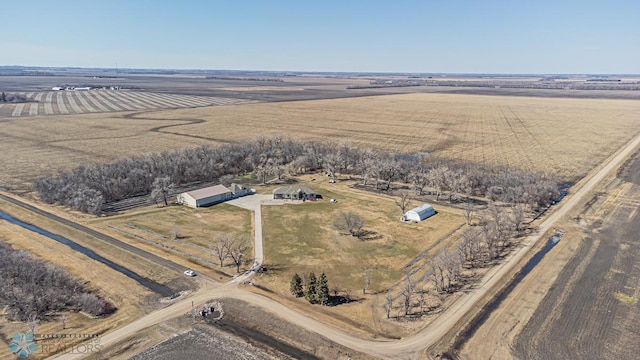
<point x="151" y="285"/>
<point x="491" y="306"/>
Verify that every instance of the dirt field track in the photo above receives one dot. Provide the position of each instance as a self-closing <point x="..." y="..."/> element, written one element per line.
<point x="95" y="101"/>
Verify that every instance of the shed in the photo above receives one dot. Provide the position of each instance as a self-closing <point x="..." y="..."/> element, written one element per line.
<point x="205" y="197"/>
<point x="294" y="193"/>
<point x="239" y="190"/>
<point x="420" y="213"/>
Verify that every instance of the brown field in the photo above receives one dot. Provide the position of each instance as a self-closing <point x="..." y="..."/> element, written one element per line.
<point x="96" y="101"/>
<point x="564" y="136"/>
<point x="262" y="88"/>
<point x="581" y="301"/>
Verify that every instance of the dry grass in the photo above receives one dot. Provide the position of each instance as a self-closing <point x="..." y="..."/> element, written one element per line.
<point x="300" y="238"/>
<point x="197" y="228"/>
<point x="125" y="293"/>
<point x="627" y="299"/>
<point x="564" y="136"/>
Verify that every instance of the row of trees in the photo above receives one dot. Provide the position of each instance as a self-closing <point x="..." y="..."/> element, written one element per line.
<point x="88" y="187"/>
<point x="314" y="290"/>
<point x="28" y="287"/>
<point x="452" y="267"/>
<point x="228" y="246"/>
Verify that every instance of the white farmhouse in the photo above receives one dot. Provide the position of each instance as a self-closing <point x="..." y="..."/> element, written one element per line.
<point x="420" y="213"/>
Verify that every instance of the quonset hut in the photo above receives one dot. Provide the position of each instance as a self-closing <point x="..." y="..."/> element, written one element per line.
<point x="420" y="213"/>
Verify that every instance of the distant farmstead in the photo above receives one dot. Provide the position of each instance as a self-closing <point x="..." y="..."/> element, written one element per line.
<point x="211" y="195"/>
<point x="294" y="193"/>
<point x="420" y="213"/>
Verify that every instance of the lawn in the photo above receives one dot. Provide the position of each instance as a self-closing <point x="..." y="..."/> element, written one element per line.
<point x="301" y="238"/>
<point x="155" y="229"/>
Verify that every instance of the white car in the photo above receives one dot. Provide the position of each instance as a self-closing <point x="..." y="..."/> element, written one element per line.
<point x="189" y="273"/>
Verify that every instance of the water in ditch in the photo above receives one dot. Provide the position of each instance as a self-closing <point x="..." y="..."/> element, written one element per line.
<point x="149" y="284"/>
<point x="495" y="302"/>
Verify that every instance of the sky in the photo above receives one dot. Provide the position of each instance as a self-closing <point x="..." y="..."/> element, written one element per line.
<point x="428" y="36"/>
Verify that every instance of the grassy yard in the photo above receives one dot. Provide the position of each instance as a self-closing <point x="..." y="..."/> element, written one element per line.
<point x="155" y="228"/>
<point x="301" y="238"/>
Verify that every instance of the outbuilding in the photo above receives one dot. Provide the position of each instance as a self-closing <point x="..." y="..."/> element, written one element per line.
<point x="294" y="193"/>
<point x="205" y="197"/>
<point x="420" y="213"/>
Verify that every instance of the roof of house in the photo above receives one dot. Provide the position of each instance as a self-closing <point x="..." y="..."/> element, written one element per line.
<point x="422" y="208"/>
<point x="208" y="192"/>
<point x="293" y="190"/>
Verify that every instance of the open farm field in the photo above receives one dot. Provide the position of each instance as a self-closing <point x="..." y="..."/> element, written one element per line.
<point x="564" y="136"/>
<point x="567" y="137"/>
<point x="96" y="101"/>
<point x="594" y="302"/>
<point x="581" y="301"/>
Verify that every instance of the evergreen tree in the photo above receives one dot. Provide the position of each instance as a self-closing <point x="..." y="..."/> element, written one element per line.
<point x="296" y="286"/>
<point x="310" y="288"/>
<point x="322" y="290"/>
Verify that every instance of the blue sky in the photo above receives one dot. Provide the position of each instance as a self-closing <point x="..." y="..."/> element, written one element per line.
<point x="482" y="36"/>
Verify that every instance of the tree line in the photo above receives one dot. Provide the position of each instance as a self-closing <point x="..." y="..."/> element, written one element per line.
<point x="29" y="286"/>
<point x="452" y="268"/>
<point x="88" y="187"/>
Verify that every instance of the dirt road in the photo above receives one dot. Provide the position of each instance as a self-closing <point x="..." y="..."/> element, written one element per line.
<point x="404" y="348"/>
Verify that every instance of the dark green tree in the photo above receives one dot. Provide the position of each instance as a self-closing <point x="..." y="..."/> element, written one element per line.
<point x="322" y="290"/>
<point x="296" y="286"/>
<point x="310" y="288"/>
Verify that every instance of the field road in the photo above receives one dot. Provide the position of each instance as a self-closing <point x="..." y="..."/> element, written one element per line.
<point x="399" y="349"/>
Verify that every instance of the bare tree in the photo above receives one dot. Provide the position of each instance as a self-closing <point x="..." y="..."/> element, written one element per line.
<point x="468" y="211"/>
<point x="518" y="214"/>
<point x="422" y="300"/>
<point x="332" y="162"/>
<point x="419" y="178"/>
<point x="367" y="280"/>
<point x="404" y="200"/>
<point x="388" y="304"/>
<point x="237" y="251"/>
<point x="33" y="322"/>
<point x="438" y="177"/>
<point x="350" y="222"/>
<point x="221" y="247"/>
<point x="406" y="292"/>
<point x="160" y="189"/>
<point x="348" y="294"/>
<point x="63" y="319"/>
